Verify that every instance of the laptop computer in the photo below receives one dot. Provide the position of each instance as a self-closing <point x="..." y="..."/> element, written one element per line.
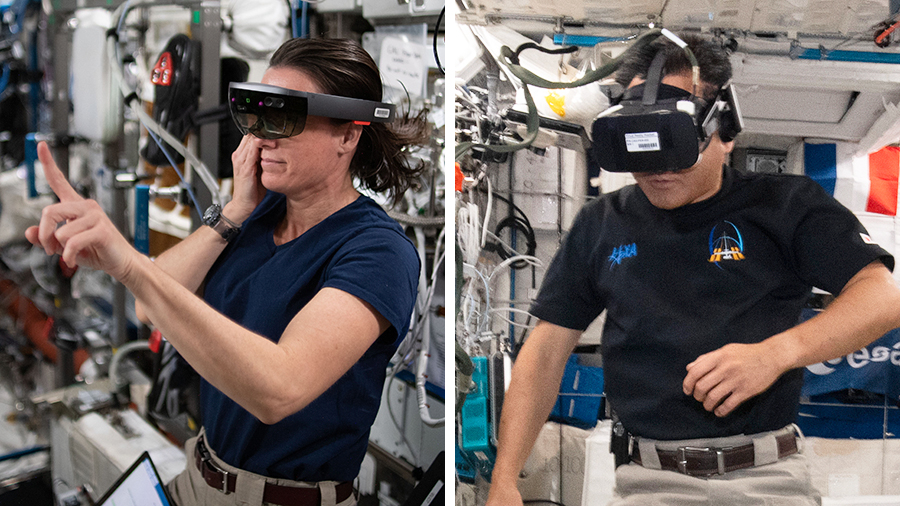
<point x="139" y="485"/>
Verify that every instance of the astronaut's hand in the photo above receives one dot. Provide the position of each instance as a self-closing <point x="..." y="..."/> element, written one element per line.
<point x="248" y="188"/>
<point x="78" y="229"/>
<point x="723" y="379"/>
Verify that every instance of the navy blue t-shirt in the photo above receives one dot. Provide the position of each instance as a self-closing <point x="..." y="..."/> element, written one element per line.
<point x="359" y="250"/>
<point x="735" y="268"/>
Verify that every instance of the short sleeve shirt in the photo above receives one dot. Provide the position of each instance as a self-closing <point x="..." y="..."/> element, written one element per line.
<point x="735" y="268"/>
<point x="262" y="286"/>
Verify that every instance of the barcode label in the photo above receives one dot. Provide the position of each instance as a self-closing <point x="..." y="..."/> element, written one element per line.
<point x="643" y="141"/>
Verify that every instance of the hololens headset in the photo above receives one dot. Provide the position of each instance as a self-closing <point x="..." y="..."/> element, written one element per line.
<point x="661" y="128"/>
<point x="272" y="112"/>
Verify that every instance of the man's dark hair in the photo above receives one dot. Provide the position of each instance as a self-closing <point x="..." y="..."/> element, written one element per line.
<point x="715" y="67"/>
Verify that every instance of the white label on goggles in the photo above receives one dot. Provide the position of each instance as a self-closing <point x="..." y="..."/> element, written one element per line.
<point x="381" y="112"/>
<point x="644" y="141"/>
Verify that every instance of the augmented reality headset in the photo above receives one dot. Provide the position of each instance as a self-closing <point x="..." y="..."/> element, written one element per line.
<point x="272" y="112"/>
<point x="649" y="133"/>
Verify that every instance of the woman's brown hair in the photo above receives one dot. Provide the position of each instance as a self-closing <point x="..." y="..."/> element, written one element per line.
<point x="342" y="67"/>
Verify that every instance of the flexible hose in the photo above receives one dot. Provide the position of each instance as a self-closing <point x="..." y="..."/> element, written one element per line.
<point x="416" y="221"/>
<point x="117" y="357"/>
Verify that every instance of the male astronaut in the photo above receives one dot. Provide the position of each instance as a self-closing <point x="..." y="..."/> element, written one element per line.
<point x="703" y="273"/>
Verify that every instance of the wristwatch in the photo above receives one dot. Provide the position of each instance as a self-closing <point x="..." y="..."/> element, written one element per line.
<point x="214" y="219"/>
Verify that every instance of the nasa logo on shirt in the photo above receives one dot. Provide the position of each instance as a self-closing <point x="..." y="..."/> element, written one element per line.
<point x="622" y="252"/>
<point x="725" y="243"/>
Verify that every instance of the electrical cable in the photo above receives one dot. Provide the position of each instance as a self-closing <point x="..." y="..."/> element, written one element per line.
<point x="467" y="231"/>
<point x="516" y="208"/>
<point x="531" y="260"/>
<point x="501" y="310"/>
<point x="422" y="285"/>
<point x="304" y="20"/>
<point x="4" y="78"/>
<point x="171" y="159"/>
<point x="400" y="428"/>
<point x="437" y="58"/>
<point x="487" y="214"/>
<point x="429" y="295"/>
<point x="403" y="356"/>
<point x="126" y="7"/>
<point x="424" y="328"/>
<point x="420" y="331"/>
<point x="421" y="366"/>
<point x="522" y="224"/>
<point x="294" y="29"/>
<point x="469" y="269"/>
<point x="531" y="45"/>
<point x="518" y="224"/>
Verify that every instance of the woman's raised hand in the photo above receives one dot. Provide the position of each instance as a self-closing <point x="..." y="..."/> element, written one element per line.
<point x="248" y="188"/>
<point x="78" y="229"/>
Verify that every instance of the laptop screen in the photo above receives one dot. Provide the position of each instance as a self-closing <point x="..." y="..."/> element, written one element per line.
<point x="138" y="486"/>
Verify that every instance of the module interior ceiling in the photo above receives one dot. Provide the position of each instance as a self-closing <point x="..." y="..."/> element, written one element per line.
<point x="815" y="99"/>
<point x="781" y="95"/>
<point x="759" y="16"/>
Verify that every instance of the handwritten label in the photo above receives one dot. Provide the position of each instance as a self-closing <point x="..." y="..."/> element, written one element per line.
<point x="403" y="62"/>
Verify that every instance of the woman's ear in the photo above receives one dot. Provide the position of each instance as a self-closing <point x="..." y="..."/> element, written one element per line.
<point x="350" y="133"/>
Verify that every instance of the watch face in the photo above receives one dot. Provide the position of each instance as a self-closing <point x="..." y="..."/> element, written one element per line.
<point x="209" y="217"/>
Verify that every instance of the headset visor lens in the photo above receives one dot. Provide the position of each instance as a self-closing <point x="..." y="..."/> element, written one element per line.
<point x="267" y="115"/>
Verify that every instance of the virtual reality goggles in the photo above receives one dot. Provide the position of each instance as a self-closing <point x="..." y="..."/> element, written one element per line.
<point x="661" y="128"/>
<point x="272" y="112"/>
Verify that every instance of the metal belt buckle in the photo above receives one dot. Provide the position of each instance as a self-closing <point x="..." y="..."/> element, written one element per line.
<point x="682" y="458"/>
<point x="224" y="479"/>
<point x="206" y="457"/>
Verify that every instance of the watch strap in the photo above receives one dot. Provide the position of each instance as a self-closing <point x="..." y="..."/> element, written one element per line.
<point x="214" y="219"/>
<point x="228" y="222"/>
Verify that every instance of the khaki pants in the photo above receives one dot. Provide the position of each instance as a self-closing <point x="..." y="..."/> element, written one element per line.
<point x="189" y="488"/>
<point x="785" y="482"/>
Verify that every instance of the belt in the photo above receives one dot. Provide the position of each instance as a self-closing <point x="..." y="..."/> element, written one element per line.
<point x="225" y="482"/>
<point x="694" y="461"/>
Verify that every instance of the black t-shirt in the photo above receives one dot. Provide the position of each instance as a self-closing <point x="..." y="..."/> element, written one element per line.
<point x="735" y="268"/>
